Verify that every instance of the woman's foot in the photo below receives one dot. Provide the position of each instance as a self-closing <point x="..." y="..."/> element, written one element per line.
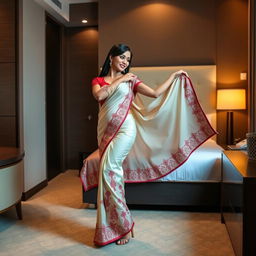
<point x="125" y="239"/>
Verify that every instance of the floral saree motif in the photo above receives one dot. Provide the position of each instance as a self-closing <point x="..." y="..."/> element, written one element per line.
<point x="116" y="135"/>
<point x="143" y="146"/>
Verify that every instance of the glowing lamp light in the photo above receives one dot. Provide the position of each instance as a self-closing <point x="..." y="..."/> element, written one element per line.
<point x="230" y="99"/>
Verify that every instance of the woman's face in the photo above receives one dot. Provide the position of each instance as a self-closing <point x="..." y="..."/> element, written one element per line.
<point x="121" y="62"/>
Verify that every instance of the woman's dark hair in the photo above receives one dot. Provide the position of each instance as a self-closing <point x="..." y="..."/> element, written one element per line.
<point x="115" y="50"/>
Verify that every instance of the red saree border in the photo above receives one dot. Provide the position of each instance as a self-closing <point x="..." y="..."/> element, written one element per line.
<point x="115" y="238"/>
<point x="176" y="159"/>
<point x="116" y="122"/>
<point x="197" y="101"/>
<point x="162" y="165"/>
<point x="107" y="138"/>
<point x="95" y="172"/>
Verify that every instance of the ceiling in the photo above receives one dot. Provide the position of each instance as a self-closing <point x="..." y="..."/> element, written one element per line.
<point x="73" y="12"/>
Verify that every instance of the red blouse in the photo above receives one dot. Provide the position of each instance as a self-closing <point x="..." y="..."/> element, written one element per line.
<point x="101" y="81"/>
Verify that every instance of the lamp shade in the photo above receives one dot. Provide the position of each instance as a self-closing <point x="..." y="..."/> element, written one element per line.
<point x="231" y="99"/>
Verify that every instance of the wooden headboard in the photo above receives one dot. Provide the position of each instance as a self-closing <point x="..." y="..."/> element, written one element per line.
<point x="203" y="79"/>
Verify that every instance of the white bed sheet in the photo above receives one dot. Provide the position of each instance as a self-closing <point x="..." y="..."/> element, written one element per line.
<point x="204" y="165"/>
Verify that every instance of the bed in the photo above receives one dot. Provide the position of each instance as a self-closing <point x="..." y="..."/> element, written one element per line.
<point x="195" y="184"/>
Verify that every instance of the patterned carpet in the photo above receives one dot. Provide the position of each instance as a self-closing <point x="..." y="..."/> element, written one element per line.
<point x="56" y="222"/>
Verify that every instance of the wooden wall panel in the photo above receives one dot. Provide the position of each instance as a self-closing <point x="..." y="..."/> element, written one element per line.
<point x="252" y="67"/>
<point x="232" y="59"/>
<point x="7" y="43"/>
<point x="7" y="11"/>
<point x="168" y="32"/>
<point x="8" y="66"/>
<point x="7" y="89"/>
<point x="7" y="30"/>
<point x="7" y="131"/>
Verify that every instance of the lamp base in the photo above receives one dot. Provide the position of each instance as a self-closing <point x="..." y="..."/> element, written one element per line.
<point x="229" y="131"/>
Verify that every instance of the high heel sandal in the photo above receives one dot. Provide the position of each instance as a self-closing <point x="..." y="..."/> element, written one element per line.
<point x="124" y="240"/>
<point x="132" y="233"/>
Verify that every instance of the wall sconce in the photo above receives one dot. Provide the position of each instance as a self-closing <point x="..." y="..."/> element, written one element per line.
<point x="230" y="99"/>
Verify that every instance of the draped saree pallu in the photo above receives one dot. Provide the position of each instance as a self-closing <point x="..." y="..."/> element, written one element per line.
<point x="167" y="132"/>
<point x="116" y="135"/>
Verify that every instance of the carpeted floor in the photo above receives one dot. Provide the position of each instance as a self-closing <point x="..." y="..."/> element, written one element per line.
<point x="56" y="222"/>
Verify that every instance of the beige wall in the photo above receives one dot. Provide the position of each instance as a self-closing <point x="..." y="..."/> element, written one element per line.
<point x="32" y="87"/>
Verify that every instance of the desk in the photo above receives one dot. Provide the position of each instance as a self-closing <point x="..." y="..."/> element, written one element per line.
<point x="11" y="179"/>
<point x="238" y="204"/>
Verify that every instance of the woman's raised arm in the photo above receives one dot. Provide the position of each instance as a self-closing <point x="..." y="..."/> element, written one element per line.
<point x="154" y="93"/>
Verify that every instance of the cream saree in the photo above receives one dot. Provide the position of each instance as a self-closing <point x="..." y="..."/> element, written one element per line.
<point x="167" y="131"/>
<point x="116" y="134"/>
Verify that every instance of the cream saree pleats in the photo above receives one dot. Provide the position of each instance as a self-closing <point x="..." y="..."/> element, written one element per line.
<point x="116" y="135"/>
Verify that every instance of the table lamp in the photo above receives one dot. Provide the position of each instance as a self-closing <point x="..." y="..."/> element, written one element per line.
<point x="230" y="99"/>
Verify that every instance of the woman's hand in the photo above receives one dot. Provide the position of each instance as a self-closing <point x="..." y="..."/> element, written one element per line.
<point x="128" y="77"/>
<point x="178" y="73"/>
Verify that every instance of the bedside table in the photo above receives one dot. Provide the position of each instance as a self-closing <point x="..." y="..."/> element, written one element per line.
<point x="238" y="201"/>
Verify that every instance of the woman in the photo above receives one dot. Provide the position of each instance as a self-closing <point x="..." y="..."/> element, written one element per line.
<point x="114" y="89"/>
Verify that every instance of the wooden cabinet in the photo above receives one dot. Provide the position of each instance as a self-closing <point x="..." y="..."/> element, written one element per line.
<point x="238" y="205"/>
<point x="11" y="179"/>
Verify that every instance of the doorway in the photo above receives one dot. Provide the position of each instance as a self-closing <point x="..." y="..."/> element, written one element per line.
<point x="53" y="98"/>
